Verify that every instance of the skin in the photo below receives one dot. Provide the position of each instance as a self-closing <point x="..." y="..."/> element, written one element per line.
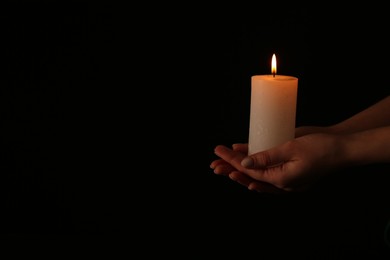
<point x="315" y="152"/>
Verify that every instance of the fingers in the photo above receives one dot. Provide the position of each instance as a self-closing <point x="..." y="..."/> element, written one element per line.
<point x="216" y="163"/>
<point x="224" y="166"/>
<point x="242" y="148"/>
<point x="232" y="162"/>
<point x="241" y="178"/>
<point x="221" y="167"/>
<point x="268" y="158"/>
<point x="232" y="157"/>
<point x="252" y="184"/>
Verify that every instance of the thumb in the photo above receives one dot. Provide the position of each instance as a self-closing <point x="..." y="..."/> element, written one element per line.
<point x="264" y="159"/>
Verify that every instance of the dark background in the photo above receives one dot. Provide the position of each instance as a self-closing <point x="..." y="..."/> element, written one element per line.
<point x="110" y="114"/>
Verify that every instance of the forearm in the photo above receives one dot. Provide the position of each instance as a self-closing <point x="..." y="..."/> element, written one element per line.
<point x="377" y="115"/>
<point x="366" y="147"/>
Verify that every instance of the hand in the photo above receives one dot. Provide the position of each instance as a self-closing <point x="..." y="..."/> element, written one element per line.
<point x="293" y="166"/>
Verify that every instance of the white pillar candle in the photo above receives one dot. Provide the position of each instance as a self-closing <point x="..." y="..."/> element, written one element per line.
<point x="272" y="110"/>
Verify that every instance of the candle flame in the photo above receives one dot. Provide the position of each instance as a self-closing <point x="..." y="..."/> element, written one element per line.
<point x="273" y="65"/>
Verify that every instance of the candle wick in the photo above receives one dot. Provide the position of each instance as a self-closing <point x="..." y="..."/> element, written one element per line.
<point x="273" y="74"/>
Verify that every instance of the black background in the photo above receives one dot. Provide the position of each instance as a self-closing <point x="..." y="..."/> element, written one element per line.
<point x="110" y="114"/>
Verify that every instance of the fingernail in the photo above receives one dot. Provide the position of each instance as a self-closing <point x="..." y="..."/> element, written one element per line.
<point x="219" y="147"/>
<point x="247" y="162"/>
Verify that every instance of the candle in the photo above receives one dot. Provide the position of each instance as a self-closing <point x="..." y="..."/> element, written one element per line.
<point x="272" y="110"/>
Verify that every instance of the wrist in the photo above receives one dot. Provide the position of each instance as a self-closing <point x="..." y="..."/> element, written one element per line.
<point x="365" y="147"/>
